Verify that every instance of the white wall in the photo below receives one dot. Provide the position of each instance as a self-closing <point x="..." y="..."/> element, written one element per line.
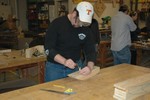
<point x="5" y="2"/>
<point x="5" y="11"/>
<point x="5" y="8"/>
<point x="17" y="8"/>
<point x="22" y="14"/>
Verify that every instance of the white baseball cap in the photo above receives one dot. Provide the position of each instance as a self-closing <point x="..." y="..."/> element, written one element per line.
<point x="86" y="11"/>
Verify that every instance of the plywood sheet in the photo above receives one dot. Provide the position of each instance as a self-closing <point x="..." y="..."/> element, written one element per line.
<point x="79" y="76"/>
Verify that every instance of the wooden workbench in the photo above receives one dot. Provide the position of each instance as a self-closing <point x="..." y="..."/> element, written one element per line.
<point x="15" y="60"/>
<point x="140" y="48"/>
<point x="104" y="56"/>
<point x="99" y="87"/>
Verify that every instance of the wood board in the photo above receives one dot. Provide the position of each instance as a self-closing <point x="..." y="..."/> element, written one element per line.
<point x="79" y="76"/>
<point x="132" y="88"/>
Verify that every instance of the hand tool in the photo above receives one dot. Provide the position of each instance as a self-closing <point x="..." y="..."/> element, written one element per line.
<point x="54" y="91"/>
<point x="78" y="67"/>
<point x="60" y="92"/>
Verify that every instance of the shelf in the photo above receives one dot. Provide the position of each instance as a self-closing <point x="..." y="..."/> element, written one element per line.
<point x="8" y="39"/>
<point x="38" y="15"/>
<point x="105" y="31"/>
<point x="7" y="42"/>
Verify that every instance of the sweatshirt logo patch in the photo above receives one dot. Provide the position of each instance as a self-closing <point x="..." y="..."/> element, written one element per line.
<point x="81" y="36"/>
<point x="47" y="52"/>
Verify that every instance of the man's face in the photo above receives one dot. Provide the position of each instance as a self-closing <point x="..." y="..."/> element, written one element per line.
<point x="85" y="24"/>
<point x="78" y="23"/>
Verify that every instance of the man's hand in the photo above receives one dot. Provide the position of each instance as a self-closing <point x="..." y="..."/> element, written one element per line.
<point x="85" y="71"/>
<point x="70" y="63"/>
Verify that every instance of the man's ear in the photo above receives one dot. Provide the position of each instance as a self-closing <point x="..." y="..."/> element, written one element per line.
<point x="127" y="12"/>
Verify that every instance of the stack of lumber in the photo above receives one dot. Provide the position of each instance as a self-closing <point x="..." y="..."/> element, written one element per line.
<point x="132" y="88"/>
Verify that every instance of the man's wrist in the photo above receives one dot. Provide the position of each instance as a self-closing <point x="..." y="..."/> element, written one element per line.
<point x="90" y="67"/>
<point x="64" y="63"/>
<point x="90" y="64"/>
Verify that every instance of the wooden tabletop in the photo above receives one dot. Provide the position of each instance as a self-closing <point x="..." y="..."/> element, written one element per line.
<point x="140" y="45"/>
<point x="99" y="87"/>
<point x="16" y="58"/>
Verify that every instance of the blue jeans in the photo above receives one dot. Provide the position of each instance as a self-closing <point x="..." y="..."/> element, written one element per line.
<point x="122" y="56"/>
<point x="57" y="71"/>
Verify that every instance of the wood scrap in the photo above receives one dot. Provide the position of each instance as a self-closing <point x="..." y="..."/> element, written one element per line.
<point x="34" y="50"/>
<point x="78" y="76"/>
<point x="5" y="50"/>
<point x="132" y="88"/>
<point x="99" y="7"/>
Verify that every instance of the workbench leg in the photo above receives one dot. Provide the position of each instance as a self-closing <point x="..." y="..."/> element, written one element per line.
<point x="41" y="67"/>
<point x="139" y="56"/>
<point x="4" y="76"/>
<point x="102" y="56"/>
<point x="24" y="73"/>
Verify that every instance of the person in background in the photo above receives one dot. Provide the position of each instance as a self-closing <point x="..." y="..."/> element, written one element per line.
<point x="134" y="36"/>
<point x="64" y="40"/>
<point x="148" y="23"/>
<point x="95" y="33"/>
<point x="121" y="25"/>
<point x="146" y="30"/>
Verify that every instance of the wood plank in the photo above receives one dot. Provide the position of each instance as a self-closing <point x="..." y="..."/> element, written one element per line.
<point x="79" y="76"/>
<point x="132" y="88"/>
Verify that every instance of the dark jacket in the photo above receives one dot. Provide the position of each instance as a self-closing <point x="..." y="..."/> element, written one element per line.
<point x="134" y="34"/>
<point x="95" y="31"/>
<point x="62" y="38"/>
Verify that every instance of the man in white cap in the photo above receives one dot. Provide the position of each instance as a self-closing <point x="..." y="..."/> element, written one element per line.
<point x="66" y="37"/>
